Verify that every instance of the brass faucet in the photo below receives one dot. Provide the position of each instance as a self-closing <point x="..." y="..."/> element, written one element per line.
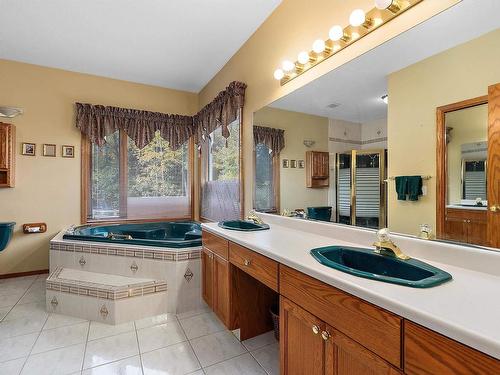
<point x="253" y="217"/>
<point x="384" y="243"/>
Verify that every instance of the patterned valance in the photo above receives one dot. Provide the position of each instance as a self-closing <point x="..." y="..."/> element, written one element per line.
<point x="271" y="137"/>
<point x="98" y="121"/>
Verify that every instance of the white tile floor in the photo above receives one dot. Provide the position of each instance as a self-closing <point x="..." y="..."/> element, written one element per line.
<point x="34" y="342"/>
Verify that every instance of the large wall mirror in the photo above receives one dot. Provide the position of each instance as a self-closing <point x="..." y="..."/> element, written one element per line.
<point x="397" y="138"/>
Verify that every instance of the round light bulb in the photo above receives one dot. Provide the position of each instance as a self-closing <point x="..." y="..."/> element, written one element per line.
<point x="383" y="4"/>
<point x="357" y="17"/>
<point x="278" y="74"/>
<point x="336" y="33"/>
<point x="303" y="57"/>
<point x="319" y="45"/>
<point x="288" y="66"/>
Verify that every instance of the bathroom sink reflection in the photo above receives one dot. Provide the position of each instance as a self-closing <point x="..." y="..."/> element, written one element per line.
<point x="371" y="265"/>
<point x="242" y="225"/>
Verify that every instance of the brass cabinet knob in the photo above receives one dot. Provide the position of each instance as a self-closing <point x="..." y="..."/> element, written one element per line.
<point x="247" y="262"/>
<point x="315" y="329"/>
<point x="325" y="335"/>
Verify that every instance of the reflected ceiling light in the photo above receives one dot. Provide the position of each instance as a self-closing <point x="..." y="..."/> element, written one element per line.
<point x="319" y="45"/>
<point x="336" y="33"/>
<point x="391" y="5"/>
<point x="354" y="35"/>
<point x="10" y="112"/>
<point x="303" y="57"/>
<point x="357" y="17"/>
<point x="279" y="74"/>
<point x="288" y="66"/>
<point x="385" y="99"/>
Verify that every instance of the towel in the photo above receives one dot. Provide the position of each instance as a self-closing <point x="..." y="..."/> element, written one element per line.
<point x="402" y="187"/>
<point x="414" y="187"/>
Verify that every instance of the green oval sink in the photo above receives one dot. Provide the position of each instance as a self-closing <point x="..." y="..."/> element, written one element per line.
<point x="368" y="264"/>
<point x="242" y="225"/>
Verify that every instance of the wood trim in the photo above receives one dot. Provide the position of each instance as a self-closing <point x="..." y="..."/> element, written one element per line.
<point x="21" y="274"/>
<point x="441" y="158"/>
<point x="191" y="172"/>
<point x="493" y="217"/>
<point x="123" y="173"/>
<point x="242" y="168"/>
<point x="85" y="178"/>
<point x="277" y="182"/>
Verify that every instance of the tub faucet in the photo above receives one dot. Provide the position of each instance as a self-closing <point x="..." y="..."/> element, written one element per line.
<point x="253" y="217"/>
<point x="385" y="243"/>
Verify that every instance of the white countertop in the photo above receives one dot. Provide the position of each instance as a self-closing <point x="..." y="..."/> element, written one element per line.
<point x="463" y="207"/>
<point x="466" y="309"/>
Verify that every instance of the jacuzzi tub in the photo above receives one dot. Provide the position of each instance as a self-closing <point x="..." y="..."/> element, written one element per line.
<point x="157" y="234"/>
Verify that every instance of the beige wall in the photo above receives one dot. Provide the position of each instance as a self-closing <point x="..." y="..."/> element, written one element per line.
<point x="298" y="127"/>
<point x="292" y="27"/>
<point x="469" y="125"/>
<point x="460" y="73"/>
<point x="48" y="189"/>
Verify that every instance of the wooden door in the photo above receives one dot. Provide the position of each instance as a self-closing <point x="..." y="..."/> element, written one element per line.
<point x="207" y="266"/>
<point x="345" y="356"/>
<point x="493" y="216"/>
<point x="302" y="350"/>
<point x="320" y="164"/>
<point x="4" y="145"/>
<point x="455" y="229"/>
<point x="220" y="289"/>
<point x="477" y="232"/>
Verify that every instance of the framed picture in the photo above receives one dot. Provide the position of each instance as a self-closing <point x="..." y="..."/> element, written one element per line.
<point x="68" y="151"/>
<point x="301" y="164"/>
<point x="286" y="163"/>
<point x="28" y="149"/>
<point x="49" y="149"/>
<point x="293" y="163"/>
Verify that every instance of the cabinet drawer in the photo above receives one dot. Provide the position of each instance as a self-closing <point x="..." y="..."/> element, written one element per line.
<point x="428" y="352"/>
<point x="258" y="266"/>
<point x="376" y="329"/>
<point x="216" y="244"/>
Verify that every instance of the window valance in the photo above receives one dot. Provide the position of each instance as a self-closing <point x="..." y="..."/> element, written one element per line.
<point x="271" y="137"/>
<point x="98" y="121"/>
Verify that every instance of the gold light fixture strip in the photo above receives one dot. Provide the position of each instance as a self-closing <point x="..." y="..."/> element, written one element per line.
<point x="374" y="19"/>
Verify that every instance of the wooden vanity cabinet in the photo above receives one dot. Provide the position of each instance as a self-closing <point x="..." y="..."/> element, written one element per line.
<point x="467" y="226"/>
<point x="317" y="169"/>
<point x="7" y="154"/>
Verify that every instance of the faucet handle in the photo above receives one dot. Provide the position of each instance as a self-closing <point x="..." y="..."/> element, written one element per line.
<point x="383" y="235"/>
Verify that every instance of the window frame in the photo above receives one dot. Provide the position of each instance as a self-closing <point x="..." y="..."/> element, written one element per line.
<point x="202" y="179"/>
<point x="276" y="163"/>
<point x="86" y="167"/>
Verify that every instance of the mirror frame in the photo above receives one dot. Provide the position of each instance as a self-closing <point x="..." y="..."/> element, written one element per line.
<point x="442" y="159"/>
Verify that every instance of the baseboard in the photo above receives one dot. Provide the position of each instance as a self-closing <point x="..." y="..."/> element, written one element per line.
<point x="21" y="274"/>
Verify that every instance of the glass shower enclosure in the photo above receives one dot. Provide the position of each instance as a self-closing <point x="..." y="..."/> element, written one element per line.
<point x="360" y="188"/>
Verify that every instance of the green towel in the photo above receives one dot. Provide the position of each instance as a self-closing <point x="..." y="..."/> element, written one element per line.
<point x="402" y="187"/>
<point x="414" y="187"/>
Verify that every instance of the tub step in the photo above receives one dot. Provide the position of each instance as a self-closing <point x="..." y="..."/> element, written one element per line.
<point x="103" y="297"/>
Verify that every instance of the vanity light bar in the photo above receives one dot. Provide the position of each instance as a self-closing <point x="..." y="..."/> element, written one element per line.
<point x="361" y="24"/>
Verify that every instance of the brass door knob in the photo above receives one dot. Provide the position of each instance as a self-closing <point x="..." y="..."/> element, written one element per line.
<point x="315" y="329"/>
<point x="495" y="208"/>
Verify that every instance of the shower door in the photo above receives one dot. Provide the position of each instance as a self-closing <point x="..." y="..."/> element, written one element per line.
<point x="361" y="192"/>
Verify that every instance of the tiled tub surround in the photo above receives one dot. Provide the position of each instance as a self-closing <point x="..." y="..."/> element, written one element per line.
<point x="106" y="298"/>
<point x="180" y="268"/>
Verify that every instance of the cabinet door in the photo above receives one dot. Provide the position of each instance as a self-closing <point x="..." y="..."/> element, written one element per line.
<point x="4" y="146"/>
<point x="220" y="289"/>
<point x="477" y="232"/>
<point x="455" y="229"/>
<point x="320" y="164"/>
<point x="344" y="356"/>
<point x="207" y="277"/>
<point x="302" y="349"/>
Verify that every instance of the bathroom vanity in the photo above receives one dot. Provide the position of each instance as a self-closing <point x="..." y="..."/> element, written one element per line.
<point x="335" y="323"/>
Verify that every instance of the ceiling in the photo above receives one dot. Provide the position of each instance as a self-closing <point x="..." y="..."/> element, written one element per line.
<point x="179" y="44"/>
<point x="357" y="86"/>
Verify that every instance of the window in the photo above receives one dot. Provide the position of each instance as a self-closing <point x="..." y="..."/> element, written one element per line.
<point x="126" y="182"/>
<point x="220" y="188"/>
<point x="266" y="179"/>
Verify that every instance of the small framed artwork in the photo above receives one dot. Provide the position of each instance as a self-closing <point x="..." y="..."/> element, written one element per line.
<point x="293" y="163"/>
<point x="68" y="151"/>
<point x="286" y="163"/>
<point x="28" y="149"/>
<point x="301" y="164"/>
<point x="49" y="150"/>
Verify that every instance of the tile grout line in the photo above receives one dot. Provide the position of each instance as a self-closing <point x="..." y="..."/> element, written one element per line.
<point x="85" y="349"/>
<point x="26" y="291"/>
<point x="33" y="346"/>
<point x="138" y="347"/>
<point x="256" y="360"/>
<point x="189" y="343"/>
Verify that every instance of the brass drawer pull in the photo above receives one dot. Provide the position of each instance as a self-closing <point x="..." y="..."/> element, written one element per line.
<point x="247" y="262"/>
<point x="315" y="329"/>
<point x="325" y="335"/>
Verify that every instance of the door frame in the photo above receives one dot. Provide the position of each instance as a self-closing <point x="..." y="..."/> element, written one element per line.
<point x="442" y="158"/>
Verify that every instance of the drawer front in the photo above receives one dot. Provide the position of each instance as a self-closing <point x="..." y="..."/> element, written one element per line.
<point x="460" y="214"/>
<point x="428" y="352"/>
<point x="216" y="244"/>
<point x="258" y="266"/>
<point x="376" y="329"/>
